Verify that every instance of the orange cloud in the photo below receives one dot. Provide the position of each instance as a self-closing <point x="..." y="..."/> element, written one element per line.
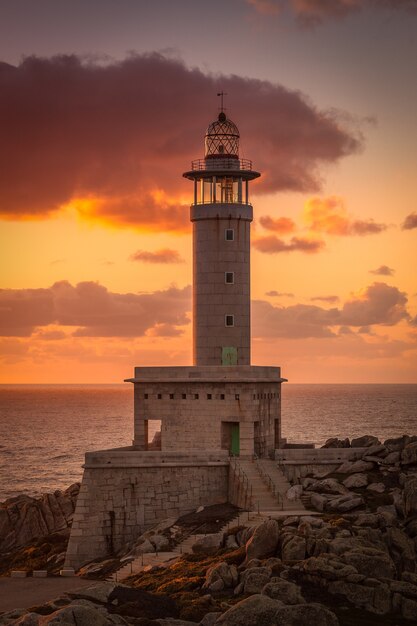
<point x="159" y="256"/>
<point x="329" y="216"/>
<point x="383" y="270"/>
<point x="273" y="245"/>
<point x="311" y="12"/>
<point x="282" y="225"/>
<point x="112" y="134"/>
<point x="92" y="311"/>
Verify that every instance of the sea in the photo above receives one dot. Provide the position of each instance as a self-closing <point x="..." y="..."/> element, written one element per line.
<point x="46" y="429"/>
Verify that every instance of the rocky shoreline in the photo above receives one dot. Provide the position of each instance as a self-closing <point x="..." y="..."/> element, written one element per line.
<point x="351" y="562"/>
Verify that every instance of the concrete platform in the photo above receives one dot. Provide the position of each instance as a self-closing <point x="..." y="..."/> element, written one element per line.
<point x="26" y="592"/>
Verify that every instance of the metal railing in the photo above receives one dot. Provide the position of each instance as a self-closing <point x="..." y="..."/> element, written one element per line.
<point x="221" y="164"/>
<point x="269" y="483"/>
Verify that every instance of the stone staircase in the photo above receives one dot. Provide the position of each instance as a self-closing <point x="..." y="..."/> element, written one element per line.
<point x="268" y="487"/>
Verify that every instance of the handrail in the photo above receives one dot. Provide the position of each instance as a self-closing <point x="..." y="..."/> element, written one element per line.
<point x="243" y="480"/>
<point x="221" y="163"/>
<point x="270" y="483"/>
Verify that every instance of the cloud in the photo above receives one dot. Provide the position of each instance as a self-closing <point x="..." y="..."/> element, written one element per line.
<point x="282" y="225"/>
<point x="383" y="270"/>
<point x="410" y="222"/>
<point x="274" y="293"/>
<point x="330" y="299"/>
<point x="312" y="12"/>
<point x="329" y="216"/>
<point x="378" y="304"/>
<point x="165" y="255"/>
<point x="273" y="245"/>
<point x="111" y="140"/>
<point x="93" y="310"/>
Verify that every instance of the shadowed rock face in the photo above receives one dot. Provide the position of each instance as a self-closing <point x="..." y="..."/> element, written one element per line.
<point x="23" y="519"/>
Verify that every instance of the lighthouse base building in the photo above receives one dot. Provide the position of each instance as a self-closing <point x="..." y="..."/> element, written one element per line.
<point x="190" y="422"/>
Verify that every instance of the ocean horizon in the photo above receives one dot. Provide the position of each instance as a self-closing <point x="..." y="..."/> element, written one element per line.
<point x="45" y="429"/>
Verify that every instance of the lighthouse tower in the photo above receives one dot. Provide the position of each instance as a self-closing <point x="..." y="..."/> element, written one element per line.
<point x="221" y="215"/>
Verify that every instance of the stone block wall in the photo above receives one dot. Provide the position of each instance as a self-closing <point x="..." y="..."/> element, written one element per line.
<point x="192" y="404"/>
<point x="119" y="501"/>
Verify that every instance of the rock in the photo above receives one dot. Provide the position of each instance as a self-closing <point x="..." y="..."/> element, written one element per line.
<point x="376" y="487"/>
<point x="318" y="501"/>
<point x="328" y="485"/>
<point x="171" y="621"/>
<point x="76" y="615"/>
<point x="231" y="542"/>
<point x="257" y="610"/>
<point x="370" y="562"/>
<point x="264" y="541"/>
<point x="255" y="579"/>
<point x="138" y="603"/>
<point x="410" y="496"/>
<point x="100" y="592"/>
<point x="379" y="450"/>
<point x="24" y="519"/>
<point x="208" y="544"/>
<point x="144" y="547"/>
<point x="397" y="444"/>
<point x="294" y="493"/>
<point x="354" y="467"/>
<point x="221" y="575"/>
<point x="391" y="458"/>
<point x="293" y="548"/>
<point x="160" y="543"/>
<point x="341" y="504"/>
<point x="287" y="592"/>
<point x="328" y="567"/>
<point x="388" y="513"/>
<point x="355" y="481"/>
<point x="409" y="454"/>
<point x="334" y="442"/>
<point x="373" y="599"/>
<point x="210" y="618"/>
<point x="367" y="519"/>
<point x="305" y="615"/>
<point x="29" y="619"/>
<point x="365" y="441"/>
<point x="401" y="549"/>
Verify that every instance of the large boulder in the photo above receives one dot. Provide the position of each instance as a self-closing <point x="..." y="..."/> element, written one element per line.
<point x="334" y="442"/>
<point x="257" y="610"/>
<point x="342" y="504"/>
<point x="370" y="562"/>
<point x="305" y="615"/>
<point x="398" y="443"/>
<point x="375" y="599"/>
<point x="293" y="547"/>
<point x="76" y="615"/>
<point x="283" y="590"/>
<point x="365" y="441"/>
<point x="409" y="454"/>
<point x="328" y="485"/>
<point x="328" y="567"/>
<point x="410" y="496"/>
<point x="263" y="542"/>
<point x="209" y="544"/>
<point x="354" y="467"/>
<point x="221" y="576"/>
<point x="401" y="549"/>
<point x="355" y="481"/>
<point x="255" y="579"/>
<point x="295" y="492"/>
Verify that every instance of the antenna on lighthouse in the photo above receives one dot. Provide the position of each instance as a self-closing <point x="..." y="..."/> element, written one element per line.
<point x="221" y="94"/>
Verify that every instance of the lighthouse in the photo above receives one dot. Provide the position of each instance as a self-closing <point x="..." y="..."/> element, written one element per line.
<point x="221" y="215"/>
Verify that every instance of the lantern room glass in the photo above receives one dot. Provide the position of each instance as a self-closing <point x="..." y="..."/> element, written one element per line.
<point x="221" y="189"/>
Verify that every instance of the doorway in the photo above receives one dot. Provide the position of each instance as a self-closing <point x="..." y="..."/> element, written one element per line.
<point x="231" y="437"/>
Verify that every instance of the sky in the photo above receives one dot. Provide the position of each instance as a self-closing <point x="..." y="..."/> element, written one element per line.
<point x="103" y="105"/>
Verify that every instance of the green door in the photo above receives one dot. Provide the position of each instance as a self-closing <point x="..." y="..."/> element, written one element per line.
<point x="235" y="440"/>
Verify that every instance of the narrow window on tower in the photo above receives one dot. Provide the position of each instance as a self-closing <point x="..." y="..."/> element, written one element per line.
<point x="229" y="234"/>
<point x="229" y="278"/>
<point x="229" y="320"/>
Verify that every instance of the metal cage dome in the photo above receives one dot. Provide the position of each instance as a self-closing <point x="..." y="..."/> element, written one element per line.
<point x="222" y="139"/>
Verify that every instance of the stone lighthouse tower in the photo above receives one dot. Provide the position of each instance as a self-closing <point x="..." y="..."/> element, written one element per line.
<point x="221" y="215"/>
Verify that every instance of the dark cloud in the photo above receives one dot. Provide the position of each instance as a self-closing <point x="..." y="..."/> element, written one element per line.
<point x="164" y="255"/>
<point x="383" y="270"/>
<point x="378" y="304"/>
<point x="95" y="311"/>
<point x="273" y="245"/>
<point x="120" y="135"/>
<point x="274" y="293"/>
<point x="410" y="222"/>
<point x="312" y="12"/>
<point x="282" y="225"/>
<point x="330" y="299"/>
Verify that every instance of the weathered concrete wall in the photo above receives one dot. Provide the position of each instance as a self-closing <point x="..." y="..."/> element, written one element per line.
<point x="124" y="492"/>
